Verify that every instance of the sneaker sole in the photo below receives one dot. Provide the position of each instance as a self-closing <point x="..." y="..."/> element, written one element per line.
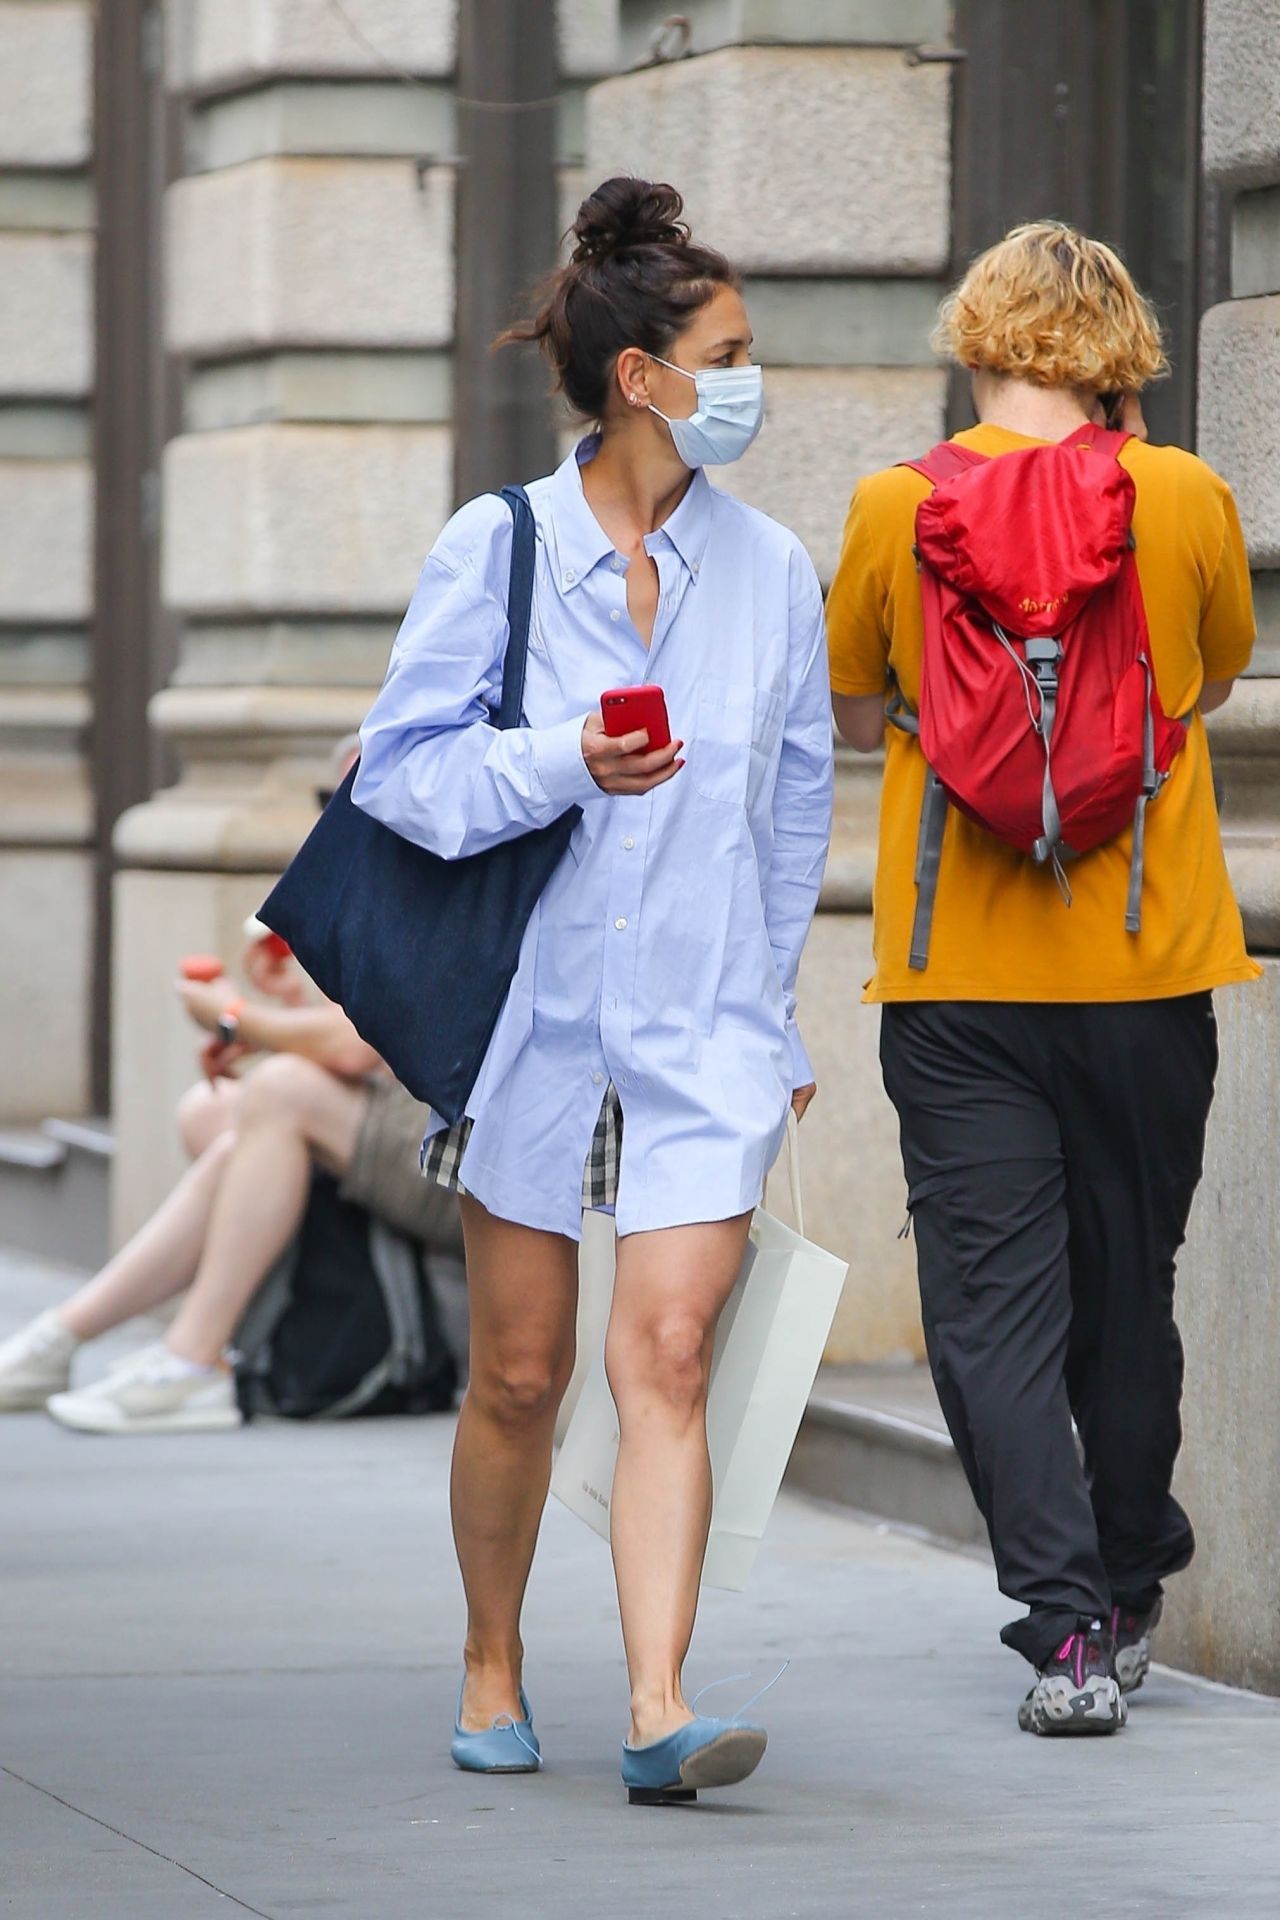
<point x="89" y="1420"/>
<point x="1133" y="1664"/>
<point x="1059" y="1710"/>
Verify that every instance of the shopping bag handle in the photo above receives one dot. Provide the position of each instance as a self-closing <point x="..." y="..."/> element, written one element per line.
<point x="793" y="1169"/>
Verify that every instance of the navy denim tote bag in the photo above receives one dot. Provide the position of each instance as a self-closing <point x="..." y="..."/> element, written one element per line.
<point x="420" y="952"/>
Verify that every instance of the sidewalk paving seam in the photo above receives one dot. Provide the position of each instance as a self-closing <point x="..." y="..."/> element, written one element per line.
<point x="133" y="1841"/>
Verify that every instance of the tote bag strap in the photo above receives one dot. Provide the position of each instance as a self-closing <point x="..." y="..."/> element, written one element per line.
<point x="524" y="546"/>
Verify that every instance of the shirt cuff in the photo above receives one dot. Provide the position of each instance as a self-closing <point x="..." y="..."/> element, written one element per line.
<point x="802" y="1073"/>
<point x="559" y="766"/>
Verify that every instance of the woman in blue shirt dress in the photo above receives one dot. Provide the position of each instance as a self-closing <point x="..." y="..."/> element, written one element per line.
<point x="650" y="1035"/>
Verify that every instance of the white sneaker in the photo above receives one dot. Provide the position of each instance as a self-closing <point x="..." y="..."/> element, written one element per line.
<point x="35" y="1362"/>
<point x="152" y="1392"/>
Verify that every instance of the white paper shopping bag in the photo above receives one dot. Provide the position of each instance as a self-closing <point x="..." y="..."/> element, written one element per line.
<point x="768" y="1348"/>
<point x="595" y="1297"/>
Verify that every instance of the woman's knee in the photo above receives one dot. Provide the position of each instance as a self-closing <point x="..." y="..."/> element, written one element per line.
<point x="283" y="1086"/>
<point x="520" y="1386"/>
<point x="665" y="1356"/>
<point x="204" y="1113"/>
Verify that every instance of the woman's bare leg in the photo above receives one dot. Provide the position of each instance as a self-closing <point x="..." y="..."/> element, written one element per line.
<point x="207" y="1110"/>
<point x="292" y="1112"/>
<point x="670" y="1288"/>
<point x="523" y="1290"/>
<point x="161" y="1257"/>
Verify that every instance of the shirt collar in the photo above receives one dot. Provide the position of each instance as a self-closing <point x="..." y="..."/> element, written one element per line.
<point x="689" y="526"/>
<point x="581" y="542"/>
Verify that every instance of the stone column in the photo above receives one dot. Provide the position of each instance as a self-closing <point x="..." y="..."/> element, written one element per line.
<point x="310" y="274"/>
<point x="46" y="512"/>
<point x="1222" y="1614"/>
<point x="817" y="158"/>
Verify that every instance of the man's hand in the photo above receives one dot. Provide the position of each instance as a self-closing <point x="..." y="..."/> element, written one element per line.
<point x="801" y="1097"/>
<point x="1132" y="418"/>
<point x="622" y="765"/>
<point x="205" y="1001"/>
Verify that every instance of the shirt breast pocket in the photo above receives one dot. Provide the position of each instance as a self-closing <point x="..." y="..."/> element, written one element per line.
<point x="734" y="740"/>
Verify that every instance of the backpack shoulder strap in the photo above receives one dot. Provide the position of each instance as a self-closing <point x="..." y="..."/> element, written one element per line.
<point x="1101" y="439"/>
<point x="945" y="462"/>
<point x="519" y="606"/>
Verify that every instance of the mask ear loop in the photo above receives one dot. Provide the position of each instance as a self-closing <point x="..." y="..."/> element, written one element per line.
<point x="674" y="369"/>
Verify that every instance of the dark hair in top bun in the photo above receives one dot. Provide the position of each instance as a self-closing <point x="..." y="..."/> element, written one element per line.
<point x="634" y="279"/>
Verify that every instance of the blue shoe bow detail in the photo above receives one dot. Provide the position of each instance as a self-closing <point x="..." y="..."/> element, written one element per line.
<point x="508" y="1746"/>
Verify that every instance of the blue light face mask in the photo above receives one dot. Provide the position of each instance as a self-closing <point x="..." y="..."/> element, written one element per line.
<point x="729" y="414"/>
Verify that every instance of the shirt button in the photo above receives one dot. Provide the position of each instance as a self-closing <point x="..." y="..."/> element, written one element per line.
<point x="598" y="1078"/>
<point x="695" y="566"/>
<point x="617" y="565"/>
<point x="629" y="843"/>
<point x="570" y="577"/>
<point x="620" y="924"/>
<point x="614" y="614"/>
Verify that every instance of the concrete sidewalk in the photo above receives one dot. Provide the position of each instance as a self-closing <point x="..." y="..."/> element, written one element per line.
<point x="228" y="1668"/>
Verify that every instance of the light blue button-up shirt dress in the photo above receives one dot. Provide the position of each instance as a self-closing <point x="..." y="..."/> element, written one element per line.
<point x="663" y="954"/>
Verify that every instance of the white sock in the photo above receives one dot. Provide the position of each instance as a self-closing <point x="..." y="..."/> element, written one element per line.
<point x="53" y="1323"/>
<point x="177" y="1368"/>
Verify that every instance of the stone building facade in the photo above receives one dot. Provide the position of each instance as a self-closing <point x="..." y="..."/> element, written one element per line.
<point x="306" y="345"/>
<point x="46" y="539"/>
<point x="1224" y="1617"/>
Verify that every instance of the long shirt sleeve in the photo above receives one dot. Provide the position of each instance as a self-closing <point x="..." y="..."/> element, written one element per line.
<point x="802" y="801"/>
<point x="432" y="765"/>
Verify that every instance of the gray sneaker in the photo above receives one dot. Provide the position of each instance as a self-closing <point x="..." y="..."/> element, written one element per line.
<point x="35" y="1362"/>
<point x="1132" y="1633"/>
<point x="1076" y="1691"/>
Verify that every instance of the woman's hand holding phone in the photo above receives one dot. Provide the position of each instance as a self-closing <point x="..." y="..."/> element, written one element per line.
<point x="622" y="763"/>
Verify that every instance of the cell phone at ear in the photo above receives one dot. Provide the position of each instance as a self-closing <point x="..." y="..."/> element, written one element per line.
<point x="637" y="710"/>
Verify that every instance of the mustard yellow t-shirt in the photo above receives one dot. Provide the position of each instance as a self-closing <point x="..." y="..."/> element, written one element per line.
<point x="1001" y="930"/>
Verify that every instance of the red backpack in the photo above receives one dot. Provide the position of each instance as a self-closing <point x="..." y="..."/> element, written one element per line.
<point x="1039" y="715"/>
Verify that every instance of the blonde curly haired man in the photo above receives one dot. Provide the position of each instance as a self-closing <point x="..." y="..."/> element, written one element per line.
<point x="1052" y="1070"/>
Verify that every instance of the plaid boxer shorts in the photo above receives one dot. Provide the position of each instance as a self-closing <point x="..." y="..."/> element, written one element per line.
<point x="444" y="1152"/>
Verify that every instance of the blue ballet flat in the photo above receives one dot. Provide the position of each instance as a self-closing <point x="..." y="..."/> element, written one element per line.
<point x="508" y="1746"/>
<point x="703" y="1753"/>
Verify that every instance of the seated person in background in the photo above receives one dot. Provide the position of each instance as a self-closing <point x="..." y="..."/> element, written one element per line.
<point x="321" y="1098"/>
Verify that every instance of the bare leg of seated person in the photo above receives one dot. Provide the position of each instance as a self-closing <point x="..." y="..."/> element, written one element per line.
<point x="291" y="1114"/>
<point x="154" y="1266"/>
<point x="294" y="1114"/>
<point x="161" y="1258"/>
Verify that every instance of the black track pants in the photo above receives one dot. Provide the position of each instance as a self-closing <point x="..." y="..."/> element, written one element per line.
<point x="1051" y="1155"/>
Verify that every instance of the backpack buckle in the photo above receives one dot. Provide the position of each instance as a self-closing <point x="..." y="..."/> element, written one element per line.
<point x="1042" y="658"/>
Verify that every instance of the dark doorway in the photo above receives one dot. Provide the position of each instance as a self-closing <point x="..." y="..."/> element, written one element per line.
<point x="1088" y="111"/>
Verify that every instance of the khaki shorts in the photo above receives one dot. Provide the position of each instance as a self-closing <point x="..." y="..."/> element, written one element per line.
<point x="384" y="1176"/>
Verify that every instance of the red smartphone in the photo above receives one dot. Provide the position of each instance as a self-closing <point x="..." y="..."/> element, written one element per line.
<point x="637" y="710"/>
<point x="202" y="966"/>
